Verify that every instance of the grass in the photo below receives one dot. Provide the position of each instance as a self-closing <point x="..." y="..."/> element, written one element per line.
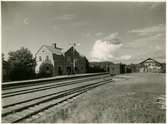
<point x="129" y="100"/>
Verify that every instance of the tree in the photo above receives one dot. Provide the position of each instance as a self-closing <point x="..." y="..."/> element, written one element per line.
<point x="3" y="57"/>
<point x="22" y="64"/>
<point x="5" y="69"/>
<point x="45" y="70"/>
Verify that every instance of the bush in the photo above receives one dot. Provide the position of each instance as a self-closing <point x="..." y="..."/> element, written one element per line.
<point x="45" y="70"/>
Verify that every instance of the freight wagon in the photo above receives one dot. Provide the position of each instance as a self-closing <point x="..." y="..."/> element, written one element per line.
<point x="116" y="69"/>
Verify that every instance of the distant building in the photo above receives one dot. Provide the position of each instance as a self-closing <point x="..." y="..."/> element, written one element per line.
<point x="53" y="55"/>
<point x="163" y="67"/>
<point x="150" y="65"/>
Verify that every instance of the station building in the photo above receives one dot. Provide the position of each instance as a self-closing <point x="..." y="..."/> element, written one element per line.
<point x="52" y="55"/>
<point x="74" y="62"/>
<point x="70" y="62"/>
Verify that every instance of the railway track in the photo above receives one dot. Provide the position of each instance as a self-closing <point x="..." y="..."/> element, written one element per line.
<point x="21" y="110"/>
<point x="19" y="91"/>
<point x="36" y="82"/>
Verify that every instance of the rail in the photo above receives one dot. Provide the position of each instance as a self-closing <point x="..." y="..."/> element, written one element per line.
<point x="25" y="82"/>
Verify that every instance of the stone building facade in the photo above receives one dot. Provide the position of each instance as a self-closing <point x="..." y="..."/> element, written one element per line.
<point x="74" y="62"/>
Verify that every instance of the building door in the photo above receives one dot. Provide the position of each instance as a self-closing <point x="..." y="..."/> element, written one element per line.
<point x="76" y="70"/>
<point x="68" y="70"/>
<point x="59" y="71"/>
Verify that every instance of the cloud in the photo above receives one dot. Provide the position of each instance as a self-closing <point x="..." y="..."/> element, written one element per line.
<point x="103" y="50"/>
<point x="143" y="43"/>
<point x="149" y="35"/>
<point x="148" y="42"/>
<point x="149" y="30"/>
<point x="149" y="39"/>
<point x="125" y="57"/>
<point x="87" y="34"/>
<point x="113" y="38"/>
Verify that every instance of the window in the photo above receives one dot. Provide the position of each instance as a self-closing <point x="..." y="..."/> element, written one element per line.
<point x="108" y="69"/>
<point x="47" y="57"/>
<point x="59" y="70"/>
<point x="47" y="68"/>
<point x="40" y="58"/>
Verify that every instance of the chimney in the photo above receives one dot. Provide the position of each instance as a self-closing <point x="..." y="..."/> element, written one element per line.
<point x="54" y="45"/>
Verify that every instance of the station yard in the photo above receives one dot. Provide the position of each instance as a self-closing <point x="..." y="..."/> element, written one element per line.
<point x="135" y="97"/>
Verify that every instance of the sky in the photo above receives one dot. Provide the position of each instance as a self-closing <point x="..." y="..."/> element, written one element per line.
<point x="127" y="32"/>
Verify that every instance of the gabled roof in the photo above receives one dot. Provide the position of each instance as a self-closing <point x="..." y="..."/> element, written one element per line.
<point x="53" y="50"/>
<point x="73" y="50"/>
<point x="56" y="50"/>
<point x="149" y="59"/>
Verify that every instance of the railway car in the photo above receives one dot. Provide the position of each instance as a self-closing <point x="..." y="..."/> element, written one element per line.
<point x="116" y="69"/>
